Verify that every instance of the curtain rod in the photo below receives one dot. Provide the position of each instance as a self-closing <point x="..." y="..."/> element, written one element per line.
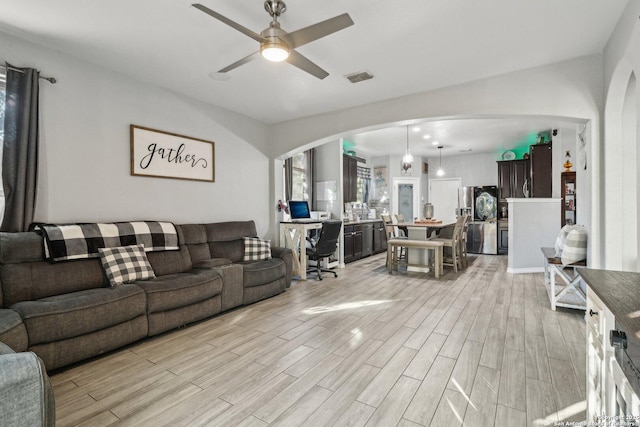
<point x="51" y="80"/>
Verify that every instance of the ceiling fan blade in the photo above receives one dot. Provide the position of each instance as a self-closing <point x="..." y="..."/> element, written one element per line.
<point x="314" y="32"/>
<point x="243" y="61"/>
<point x="228" y="21"/>
<point x="304" y="64"/>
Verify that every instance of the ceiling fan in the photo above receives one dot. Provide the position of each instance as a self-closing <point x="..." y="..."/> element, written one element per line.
<point x="278" y="45"/>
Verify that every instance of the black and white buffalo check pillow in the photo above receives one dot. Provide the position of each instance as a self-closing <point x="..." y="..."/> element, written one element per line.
<point x="125" y="264"/>
<point x="256" y="249"/>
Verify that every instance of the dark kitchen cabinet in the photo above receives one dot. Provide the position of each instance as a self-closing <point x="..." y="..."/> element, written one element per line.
<point x="379" y="237"/>
<point x="352" y="242"/>
<point x="541" y="163"/>
<point x="503" y="237"/>
<point x="349" y="179"/>
<point x="513" y="178"/>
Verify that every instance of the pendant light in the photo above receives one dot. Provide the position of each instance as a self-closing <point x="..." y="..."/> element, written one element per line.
<point x="440" y="170"/>
<point x="407" y="160"/>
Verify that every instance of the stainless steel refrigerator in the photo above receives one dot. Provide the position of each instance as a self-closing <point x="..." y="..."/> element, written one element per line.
<point x="481" y="203"/>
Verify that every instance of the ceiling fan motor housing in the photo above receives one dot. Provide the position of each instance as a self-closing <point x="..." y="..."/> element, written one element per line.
<point x="275" y="8"/>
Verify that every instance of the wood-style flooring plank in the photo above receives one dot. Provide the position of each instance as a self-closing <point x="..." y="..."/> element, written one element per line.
<point x="464" y="372"/>
<point x="480" y="347"/>
<point x="512" y="380"/>
<point x="481" y="410"/>
<point x="425" y="401"/>
<point x="509" y="417"/>
<point x="451" y="410"/>
<point x="378" y="388"/>
<point x="390" y="410"/>
<point x="425" y="357"/>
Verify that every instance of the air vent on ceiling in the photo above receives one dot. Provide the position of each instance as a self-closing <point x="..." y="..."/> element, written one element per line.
<point x="359" y="77"/>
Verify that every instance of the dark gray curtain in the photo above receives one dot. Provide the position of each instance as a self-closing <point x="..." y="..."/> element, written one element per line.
<point x="310" y="157"/>
<point x="20" y="148"/>
<point x="288" y="179"/>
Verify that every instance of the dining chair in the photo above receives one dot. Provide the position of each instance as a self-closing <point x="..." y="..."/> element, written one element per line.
<point x="453" y="243"/>
<point x="463" y="241"/>
<point x="393" y="233"/>
<point x="402" y="230"/>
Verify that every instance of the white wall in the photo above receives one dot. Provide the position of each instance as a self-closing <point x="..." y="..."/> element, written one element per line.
<point x="84" y="155"/>
<point x="474" y="169"/>
<point x="329" y="168"/>
<point x="618" y="152"/>
<point x="533" y="224"/>
<point x="570" y="88"/>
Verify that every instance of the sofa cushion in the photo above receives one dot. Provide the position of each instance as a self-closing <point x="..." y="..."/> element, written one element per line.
<point x="30" y="281"/>
<point x="126" y="264"/>
<point x="195" y="238"/>
<point x="181" y="289"/>
<point x="226" y="239"/>
<point x="258" y="273"/>
<point x="78" y="313"/>
<point x="256" y="249"/>
<point x="213" y="262"/>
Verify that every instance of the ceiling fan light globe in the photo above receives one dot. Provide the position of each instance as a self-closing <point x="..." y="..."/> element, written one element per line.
<point x="274" y="51"/>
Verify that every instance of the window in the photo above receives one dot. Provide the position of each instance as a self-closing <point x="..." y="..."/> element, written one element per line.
<point x="300" y="181"/>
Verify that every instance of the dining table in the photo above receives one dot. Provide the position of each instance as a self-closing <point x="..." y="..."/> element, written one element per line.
<point x="422" y="229"/>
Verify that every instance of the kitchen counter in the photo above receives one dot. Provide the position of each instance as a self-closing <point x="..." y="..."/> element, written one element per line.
<point x="360" y="221"/>
<point x="620" y="292"/>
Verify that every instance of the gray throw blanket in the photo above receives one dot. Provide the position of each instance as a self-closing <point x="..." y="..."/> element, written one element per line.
<point x="77" y="241"/>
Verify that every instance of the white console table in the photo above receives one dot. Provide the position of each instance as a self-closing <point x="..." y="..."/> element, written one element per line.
<point x="293" y="236"/>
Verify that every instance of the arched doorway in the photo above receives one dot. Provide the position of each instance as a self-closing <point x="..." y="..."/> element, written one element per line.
<point x="621" y="177"/>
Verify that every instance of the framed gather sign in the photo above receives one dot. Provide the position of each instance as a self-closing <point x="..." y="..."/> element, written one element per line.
<point x="168" y="155"/>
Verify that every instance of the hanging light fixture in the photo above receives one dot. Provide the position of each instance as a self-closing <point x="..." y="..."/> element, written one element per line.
<point x="407" y="160"/>
<point x="440" y="170"/>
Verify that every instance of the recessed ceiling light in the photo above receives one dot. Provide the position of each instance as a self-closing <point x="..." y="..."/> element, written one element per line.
<point x="435" y="143"/>
<point x="416" y="129"/>
<point x="427" y="137"/>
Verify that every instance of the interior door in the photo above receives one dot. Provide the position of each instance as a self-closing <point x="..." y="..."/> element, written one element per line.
<point x="406" y="197"/>
<point x="443" y="195"/>
<point x="405" y="200"/>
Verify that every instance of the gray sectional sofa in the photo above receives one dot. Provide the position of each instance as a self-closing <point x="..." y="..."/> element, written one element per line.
<point x="66" y="311"/>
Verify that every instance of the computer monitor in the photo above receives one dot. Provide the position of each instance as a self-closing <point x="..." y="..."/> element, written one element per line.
<point x="299" y="209"/>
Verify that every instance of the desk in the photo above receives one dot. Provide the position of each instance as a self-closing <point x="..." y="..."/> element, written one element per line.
<point x="417" y="259"/>
<point x="293" y="236"/>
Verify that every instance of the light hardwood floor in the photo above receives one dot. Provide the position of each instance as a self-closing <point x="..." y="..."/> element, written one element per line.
<point x="477" y="348"/>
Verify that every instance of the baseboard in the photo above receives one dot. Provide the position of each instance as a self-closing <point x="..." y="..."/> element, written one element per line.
<point x="525" y="270"/>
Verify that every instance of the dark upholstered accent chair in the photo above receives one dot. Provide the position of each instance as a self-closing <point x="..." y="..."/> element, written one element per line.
<point x="324" y="247"/>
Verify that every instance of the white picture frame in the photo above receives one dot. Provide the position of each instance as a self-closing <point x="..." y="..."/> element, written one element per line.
<point x="160" y="154"/>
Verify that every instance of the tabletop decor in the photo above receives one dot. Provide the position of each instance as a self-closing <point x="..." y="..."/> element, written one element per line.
<point x="161" y="154"/>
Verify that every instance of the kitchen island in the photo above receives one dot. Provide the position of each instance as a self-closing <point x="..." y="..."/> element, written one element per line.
<point x="422" y="230"/>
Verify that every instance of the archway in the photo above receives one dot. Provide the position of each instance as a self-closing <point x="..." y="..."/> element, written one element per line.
<point x="621" y="179"/>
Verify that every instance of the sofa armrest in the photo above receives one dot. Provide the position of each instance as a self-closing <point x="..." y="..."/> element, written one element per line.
<point x="5" y="349"/>
<point x="286" y="255"/>
<point x="26" y="395"/>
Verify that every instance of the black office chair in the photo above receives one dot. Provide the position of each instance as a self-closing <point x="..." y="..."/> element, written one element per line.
<point x="324" y="247"/>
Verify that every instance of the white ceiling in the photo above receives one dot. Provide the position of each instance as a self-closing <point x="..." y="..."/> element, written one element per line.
<point x="410" y="46"/>
<point x="461" y="136"/>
